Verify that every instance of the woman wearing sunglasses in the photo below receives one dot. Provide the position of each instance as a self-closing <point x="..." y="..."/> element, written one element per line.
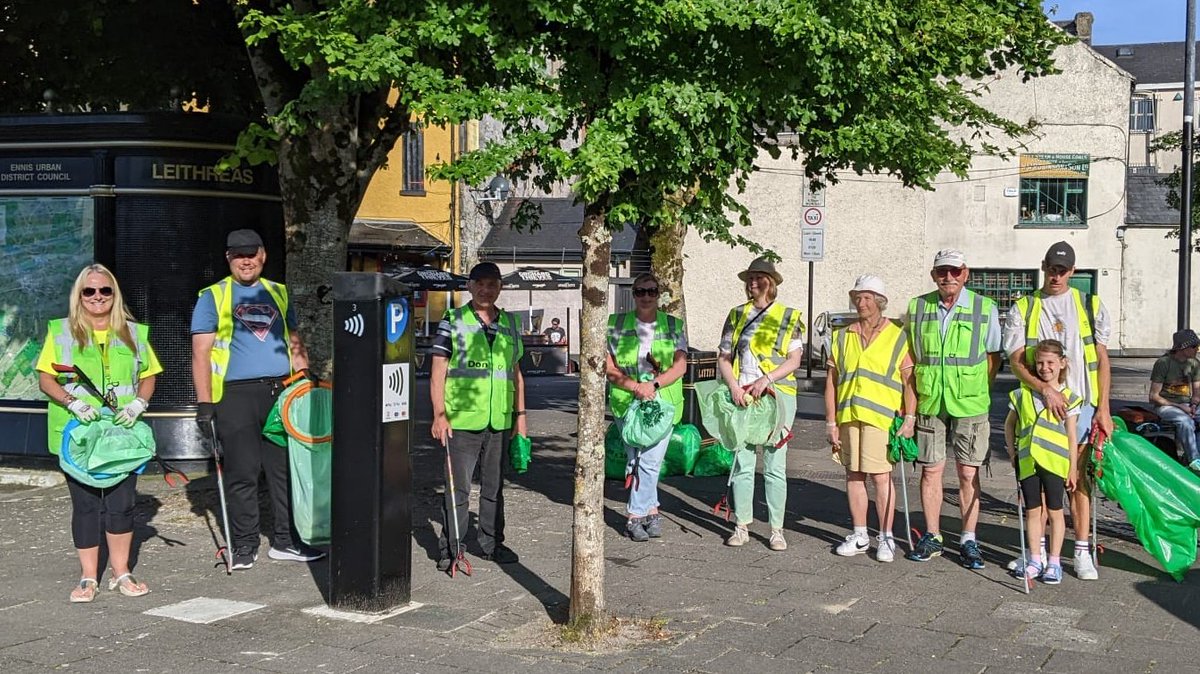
<point x="647" y="356"/>
<point x="762" y="344"/>
<point x="101" y="341"/>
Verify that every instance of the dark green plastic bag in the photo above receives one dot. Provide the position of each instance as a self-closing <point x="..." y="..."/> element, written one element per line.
<point x="614" y="454"/>
<point x="713" y="459"/>
<point x="273" y="430"/>
<point x="899" y="445"/>
<point x="520" y="450"/>
<point x="682" y="451"/>
<point x="1161" y="498"/>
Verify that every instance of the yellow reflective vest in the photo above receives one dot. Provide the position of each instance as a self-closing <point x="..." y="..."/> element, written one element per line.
<point x="951" y="370"/>
<point x="223" y="340"/>
<point x="1086" y="308"/>
<point x="624" y="345"/>
<point x="1041" y="438"/>
<point x="769" y="336"/>
<point x="119" y="379"/>
<point x="481" y="380"/>
<point x="870" y="386"/>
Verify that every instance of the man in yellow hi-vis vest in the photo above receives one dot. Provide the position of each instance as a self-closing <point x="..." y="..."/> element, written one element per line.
<point x="244" y="344"/>
<point x="1081" y="323"/>
<point x="478" y="397"/>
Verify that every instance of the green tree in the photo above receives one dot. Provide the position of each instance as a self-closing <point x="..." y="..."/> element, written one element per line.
<point x="653" y="98"/>
<point x="1172" y="143"/>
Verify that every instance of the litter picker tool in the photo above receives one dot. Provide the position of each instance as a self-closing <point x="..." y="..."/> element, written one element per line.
<point x="1026" y="581"/>
<point x="1098" y="439"/>
<point x="223" y="551"/>
<point x="904" y="491"/>
<point x="460" y="560"/>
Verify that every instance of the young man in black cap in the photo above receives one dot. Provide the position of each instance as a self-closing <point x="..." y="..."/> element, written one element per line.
<point x="1175" y="391"/>
<point x="244" y="344"/>
<point x="1081" y="323"/>
<point x="478" y="403"/>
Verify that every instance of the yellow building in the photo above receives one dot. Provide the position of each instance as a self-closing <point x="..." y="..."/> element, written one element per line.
<point x="406" y="220"/>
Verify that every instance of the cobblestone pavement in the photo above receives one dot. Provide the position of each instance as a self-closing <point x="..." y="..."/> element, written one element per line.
<point x="724" y="609"/>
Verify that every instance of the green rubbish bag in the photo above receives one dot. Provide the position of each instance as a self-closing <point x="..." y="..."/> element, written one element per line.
<point x="763" y="422"/>
<point x="614" y="454"/>
<point x="101" y="454"/>
<point x="273" y="430"/>
<point x="713" y="460"/>
<point x="682" y="451"/>
<point x="520" y="450"/>
<point x="1161" y="498"/>
<point x="647" y="422"/>
<point x="306" y="414"/>
<point x="898" y="445"/>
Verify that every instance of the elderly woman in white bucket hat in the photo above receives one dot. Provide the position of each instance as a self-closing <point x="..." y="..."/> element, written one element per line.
<point x="762" y="344"/>
<point x="869" y="382"/>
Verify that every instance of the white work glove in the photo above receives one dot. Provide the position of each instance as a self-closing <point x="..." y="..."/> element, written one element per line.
<point x="83" y="411"/>
<point x="128" y="416"/>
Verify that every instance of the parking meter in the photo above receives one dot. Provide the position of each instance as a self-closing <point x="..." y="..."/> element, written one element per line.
<point x="370" y="556"/>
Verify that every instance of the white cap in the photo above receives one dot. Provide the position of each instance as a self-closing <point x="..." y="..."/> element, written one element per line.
<point x="868" y="283"/>
<point x="949" y="257"/>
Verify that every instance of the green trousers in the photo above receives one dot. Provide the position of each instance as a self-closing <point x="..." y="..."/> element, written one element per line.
<point x="774" y="484"/>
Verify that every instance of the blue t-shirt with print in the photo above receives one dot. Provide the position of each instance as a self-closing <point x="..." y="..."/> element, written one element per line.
<point x="258" y="348"/>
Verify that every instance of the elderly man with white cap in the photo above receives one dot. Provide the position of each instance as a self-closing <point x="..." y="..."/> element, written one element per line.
<point x="869" y="383"/>
<point x="956" y="342"/>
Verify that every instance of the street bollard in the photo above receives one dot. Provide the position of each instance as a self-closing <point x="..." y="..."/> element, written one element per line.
<point x="370" y="556"/>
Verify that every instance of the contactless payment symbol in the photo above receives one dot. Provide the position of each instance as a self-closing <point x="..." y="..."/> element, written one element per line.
<point x="396" y="317"/>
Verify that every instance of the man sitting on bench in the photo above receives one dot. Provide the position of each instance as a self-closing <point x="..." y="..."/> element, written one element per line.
<point x="1175" y="393"/>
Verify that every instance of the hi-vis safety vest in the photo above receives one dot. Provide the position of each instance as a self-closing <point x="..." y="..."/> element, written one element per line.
<point x="481" y="382"/>
<point x="951" y="371"/>
<point x="223" y="341"/>
<point x="623" y="344"/>
<point x="1086" y="308"/>
<point x="870" y="388"/>
<point x="121" y="377"/>
<point x="769" y="338"/>
<point x="1041" y="438"/>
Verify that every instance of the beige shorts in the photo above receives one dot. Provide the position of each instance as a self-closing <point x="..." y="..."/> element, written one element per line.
<point x="969" y="436"/>
<point x="864" y="448"/>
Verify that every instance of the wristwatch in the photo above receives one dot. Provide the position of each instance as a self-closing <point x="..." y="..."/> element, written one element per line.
<point x="656" y="384"/>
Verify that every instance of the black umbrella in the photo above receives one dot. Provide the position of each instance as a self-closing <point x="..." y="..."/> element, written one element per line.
<point x="430" y="278"/>
<point x="532" y="278"/>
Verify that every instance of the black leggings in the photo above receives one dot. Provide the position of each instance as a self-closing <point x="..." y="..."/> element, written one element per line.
<point x="1043" y="482"/>
<point x="88" y="504"/>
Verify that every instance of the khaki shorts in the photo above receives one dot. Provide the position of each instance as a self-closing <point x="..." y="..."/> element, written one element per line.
<point x="968" y="434"/>
<point x="864" y="448"/>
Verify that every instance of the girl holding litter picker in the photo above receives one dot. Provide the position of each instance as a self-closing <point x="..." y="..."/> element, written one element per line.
<point x="1046" y="453"/>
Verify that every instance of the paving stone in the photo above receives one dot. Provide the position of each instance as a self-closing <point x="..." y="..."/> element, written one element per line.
<point x="1065" y="637"/>
<point x="900" y="639"/>
<point x="999" y="651"/>
<point x="836" y="654"/>
<point x="1165" y="654"/>
<point x="1068" y="662"/>
<point x="745" y="661"/>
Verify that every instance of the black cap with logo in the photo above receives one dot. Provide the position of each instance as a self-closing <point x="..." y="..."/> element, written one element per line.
<point x="1060" y="254"/>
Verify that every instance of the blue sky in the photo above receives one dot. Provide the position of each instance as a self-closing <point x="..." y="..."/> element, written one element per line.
<point x="1127" y="21"/>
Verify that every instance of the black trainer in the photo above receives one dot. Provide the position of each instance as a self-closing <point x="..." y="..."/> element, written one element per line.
<point x="296" y="552"/>
<point x="444" y="563"/>
<point x="244" y="558"/>
<point x="928" y="547"/>
<point x="970" y="555"/>
<point x="501" y="555"/>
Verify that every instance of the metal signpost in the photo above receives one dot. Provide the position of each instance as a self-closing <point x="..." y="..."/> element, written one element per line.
<point x="812" y="249"/>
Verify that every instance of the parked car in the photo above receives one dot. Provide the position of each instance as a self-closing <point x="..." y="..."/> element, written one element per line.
<point x="823" y="327"/>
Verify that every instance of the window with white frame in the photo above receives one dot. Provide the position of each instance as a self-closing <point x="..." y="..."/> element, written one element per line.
<point x="1141" y="114"/>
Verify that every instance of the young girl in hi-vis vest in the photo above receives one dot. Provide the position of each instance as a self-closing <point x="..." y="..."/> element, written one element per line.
<point x="1045" y="451"/>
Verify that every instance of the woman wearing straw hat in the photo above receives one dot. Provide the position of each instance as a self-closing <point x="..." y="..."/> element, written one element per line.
<point x="869" y="381"/>
<point x="762" y="344"/>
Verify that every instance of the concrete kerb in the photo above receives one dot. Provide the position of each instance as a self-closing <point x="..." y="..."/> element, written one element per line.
<point x="30" y="477"/>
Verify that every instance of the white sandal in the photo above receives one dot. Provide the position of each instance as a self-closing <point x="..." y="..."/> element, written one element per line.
<point x="85" y="584"/>
<point x="126" y="589"/>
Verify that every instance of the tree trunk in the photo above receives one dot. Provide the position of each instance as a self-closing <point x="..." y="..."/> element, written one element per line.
<point x="587" y="554"/>
<point x="667" y="263"/>
<point x="320" y="195"/>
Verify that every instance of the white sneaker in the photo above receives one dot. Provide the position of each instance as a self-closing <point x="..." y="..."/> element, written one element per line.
<point x="1084" y="569"/>
<point x="854" y="545"/>
<point x="885" y="548"/>
<point x="777" y="543"/>
<point x="1012" y="565"/>
<point x="739" y="537"/>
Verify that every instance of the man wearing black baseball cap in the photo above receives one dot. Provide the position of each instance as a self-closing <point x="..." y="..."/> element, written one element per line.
<point x="478" y="397"/>
<point x="1081" y="323"/>
<point x="1175" y="392"/>
<point x="244" y="344"/>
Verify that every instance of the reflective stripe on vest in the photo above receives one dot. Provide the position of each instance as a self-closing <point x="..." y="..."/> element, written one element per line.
<point x="125" y="364"/>
<point x="1041" y="438"/>
<point x="768" y="337"/>
<point x="223" y="340"/>
<point x="1030" y="307"/>
<point x="624" y="345"/>
<point x="951" y="370"/>
<point x="481" y="379"/>
<point x="870" y="386"/>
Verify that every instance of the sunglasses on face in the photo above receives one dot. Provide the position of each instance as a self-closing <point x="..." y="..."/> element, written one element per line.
<point x="645" y="292"/>
<point x="949" y="271"/>
<point x="89" y="291"/>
